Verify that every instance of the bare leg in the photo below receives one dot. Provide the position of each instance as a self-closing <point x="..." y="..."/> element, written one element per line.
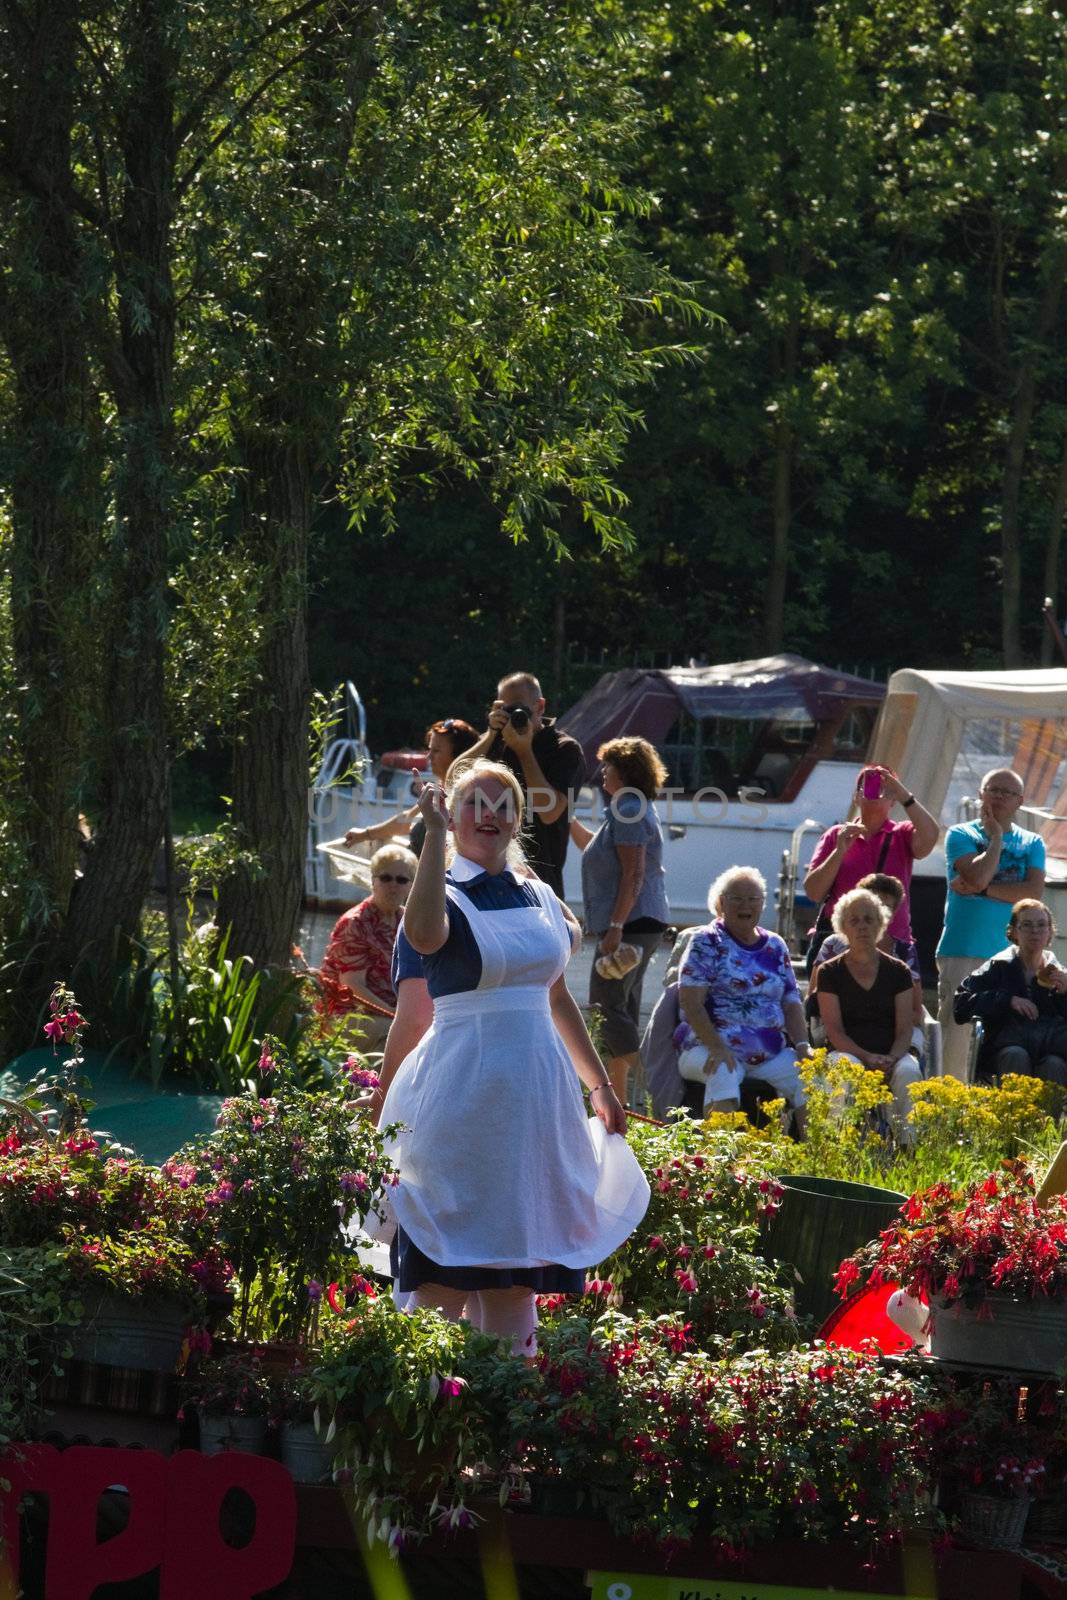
<point x="619" y="1069"/>
<point x="511" y="1314"/>
<point x="436" y="1297"/>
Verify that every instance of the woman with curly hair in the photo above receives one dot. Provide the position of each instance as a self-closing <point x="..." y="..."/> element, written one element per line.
<point x="624" y="894"/>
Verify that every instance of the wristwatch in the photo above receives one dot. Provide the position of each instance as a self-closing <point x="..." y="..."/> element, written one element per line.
<point x="908" y="800"/>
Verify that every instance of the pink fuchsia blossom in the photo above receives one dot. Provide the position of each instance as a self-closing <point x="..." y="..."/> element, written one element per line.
<point x="655" y="1243"/>
<point x="267" y="1062"/>
<point x="687" y="1281"/>
<point x="684" y="1251"/>
<point x="451" y="1387"/>
<point x="54" y="1030"/>
<point x="354" y="1182"/>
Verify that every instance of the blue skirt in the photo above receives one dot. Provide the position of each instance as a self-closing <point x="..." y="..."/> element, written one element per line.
<point x="411" y="1268"/>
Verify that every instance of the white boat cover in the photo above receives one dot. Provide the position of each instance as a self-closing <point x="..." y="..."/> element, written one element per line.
<point x="942" y="731"/>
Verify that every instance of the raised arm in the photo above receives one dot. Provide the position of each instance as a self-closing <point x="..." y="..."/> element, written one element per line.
<point x="425" y="915"/>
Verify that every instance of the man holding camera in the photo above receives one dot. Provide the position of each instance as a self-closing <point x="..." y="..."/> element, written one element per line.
<point x="549" y="764"/>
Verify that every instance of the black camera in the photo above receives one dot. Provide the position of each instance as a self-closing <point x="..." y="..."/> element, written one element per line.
<point x="518" y="716"/>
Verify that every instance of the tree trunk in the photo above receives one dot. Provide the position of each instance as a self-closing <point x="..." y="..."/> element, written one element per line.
<point x="109" y="899"/>
<point x="56" y="468"/>
<point x="1052" y="550"/>
<point x="286" y="441"/>
<point x="1022" y="413"/>
<point x="270" y="767"/>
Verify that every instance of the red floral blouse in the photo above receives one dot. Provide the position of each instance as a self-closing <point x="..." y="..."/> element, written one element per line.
<point x="361" y="939"/>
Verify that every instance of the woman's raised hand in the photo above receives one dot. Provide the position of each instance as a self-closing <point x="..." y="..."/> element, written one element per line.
<point x="433" y="808"/>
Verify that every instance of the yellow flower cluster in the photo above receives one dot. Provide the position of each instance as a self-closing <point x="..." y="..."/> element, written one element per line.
<point x="962" y="1130"/>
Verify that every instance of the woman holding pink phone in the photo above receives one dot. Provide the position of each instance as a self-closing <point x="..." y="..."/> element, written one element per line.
<point x="869" y="843"/>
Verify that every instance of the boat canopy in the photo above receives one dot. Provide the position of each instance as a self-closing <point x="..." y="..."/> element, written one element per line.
<point x="649" y="701"/>
<point x="943" y="731"/>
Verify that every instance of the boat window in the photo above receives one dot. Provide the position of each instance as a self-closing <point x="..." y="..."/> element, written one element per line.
<point x="727" y="752"/>
<point x="852" y="739"/>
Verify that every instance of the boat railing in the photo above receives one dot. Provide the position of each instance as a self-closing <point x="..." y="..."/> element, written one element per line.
<point x="788" y="878"/>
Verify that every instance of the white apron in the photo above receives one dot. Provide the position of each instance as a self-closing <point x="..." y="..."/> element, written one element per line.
<point x="499" y="1164"/>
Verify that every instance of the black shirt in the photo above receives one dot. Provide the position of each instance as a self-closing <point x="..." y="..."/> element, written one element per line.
<point x="562" y="761"/>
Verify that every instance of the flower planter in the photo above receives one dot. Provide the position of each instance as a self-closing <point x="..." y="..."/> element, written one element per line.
<point x="819" y="1222"/>
<point x="1022" y="1335"/>
<point x="145" y="1335"/>
<point x="304" y="1452"/>
<point x="994" y="1524"/>
<point x="219" y="1433"/>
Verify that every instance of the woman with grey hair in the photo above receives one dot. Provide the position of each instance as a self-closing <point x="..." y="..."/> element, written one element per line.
<point x="865" y="1001"/>
<point x="355" y="972"/>
<point x="738" y="995"/>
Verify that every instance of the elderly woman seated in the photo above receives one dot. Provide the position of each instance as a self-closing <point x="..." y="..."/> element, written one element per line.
<point x="1020" y="995"/>
<point x="356" y="973"/>
<point x="743" y="1016"/>
<point x="866" y="1004"/>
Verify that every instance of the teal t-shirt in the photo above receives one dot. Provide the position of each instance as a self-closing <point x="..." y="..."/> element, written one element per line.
<point x="974" y="924"/>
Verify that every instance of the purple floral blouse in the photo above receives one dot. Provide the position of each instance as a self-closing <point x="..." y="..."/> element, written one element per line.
<point x="748" y="986"/>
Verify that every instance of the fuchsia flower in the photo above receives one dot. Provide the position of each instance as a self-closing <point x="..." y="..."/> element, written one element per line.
<point x="354" y="1182"/>
<point x="451" y="1387"/>
<point x="54" y="1030"/>
<point x="687" y="1281"/>
<point x="314" y="1290"/>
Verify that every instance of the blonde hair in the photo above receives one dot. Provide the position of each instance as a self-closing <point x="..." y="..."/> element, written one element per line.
<point x="397" y="853"/>
<point x="730" y="876"/>
<point x="857" y="897"/>
<point x="463" y="773"/>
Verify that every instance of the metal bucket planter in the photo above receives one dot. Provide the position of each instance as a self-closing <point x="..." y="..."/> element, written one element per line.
<point x="246" y="1434"/>
<point x="993" y="1524"/>
<point x="306" y="1454"/>
<point x="819" y="1222"/>
<point x="118" y="1331"/>
<point x="1023" y="1335"/>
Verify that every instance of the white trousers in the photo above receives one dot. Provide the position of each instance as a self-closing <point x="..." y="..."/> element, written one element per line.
<point x="721" y="1083"/>
<point x="955" y="1036"/>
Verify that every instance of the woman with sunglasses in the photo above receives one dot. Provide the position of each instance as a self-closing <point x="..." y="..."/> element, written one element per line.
<point x="355" y="971"/>
<point x="446" y="741"/>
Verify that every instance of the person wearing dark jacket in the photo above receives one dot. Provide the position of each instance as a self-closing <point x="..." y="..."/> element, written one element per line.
<point x="1020" y="996"/>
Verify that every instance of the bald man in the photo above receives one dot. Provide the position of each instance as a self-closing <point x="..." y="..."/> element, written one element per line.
<point x="989" y="864"/>
<point x="548" y="763"/>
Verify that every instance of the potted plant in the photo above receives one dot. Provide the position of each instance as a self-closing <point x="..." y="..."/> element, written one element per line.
<point x="418" y="1409"/>
<point x="302" y="1442"/>
<point x="993" y="1469"/>
<point x="284" y="1173"/>
<point x="695" y="1252"/>
<point x="141" y="1290"/>
<point x="989" y="1262"/>
<point x="231" y="1395"/>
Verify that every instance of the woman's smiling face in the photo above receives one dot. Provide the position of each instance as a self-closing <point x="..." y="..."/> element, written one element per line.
<point x="483" y="819"/>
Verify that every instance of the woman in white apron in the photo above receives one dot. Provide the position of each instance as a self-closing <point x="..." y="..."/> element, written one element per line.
<point x="507" y="1189"/>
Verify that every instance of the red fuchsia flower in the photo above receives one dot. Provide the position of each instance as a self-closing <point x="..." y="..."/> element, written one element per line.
<point x="687" y="1281"/>
<point x="593" y="1286"/>
<point x="267" y="1062"/>
<point x="710" y="1252"/>
<point x="655" y="1243"/>
<point x="451" y="1387"/>
<point x="684" y="1251"/>
<point x="354" y="1182"/>
<point x="54" y="1030"/>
